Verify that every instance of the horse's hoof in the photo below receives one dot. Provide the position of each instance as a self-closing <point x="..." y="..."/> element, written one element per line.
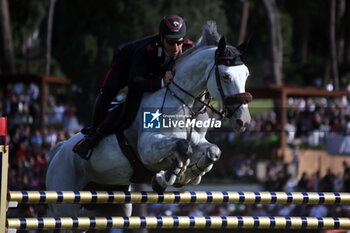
<point x="196" y="181"/>
<point x="156" y="186"/>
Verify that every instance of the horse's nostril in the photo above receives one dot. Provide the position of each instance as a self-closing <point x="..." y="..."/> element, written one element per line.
<point x="239" y="122"/>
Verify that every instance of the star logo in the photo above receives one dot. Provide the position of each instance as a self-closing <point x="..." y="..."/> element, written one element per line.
<point x="156" y="115"/>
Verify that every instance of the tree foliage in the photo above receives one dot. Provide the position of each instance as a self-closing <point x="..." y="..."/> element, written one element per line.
<point x="85" y="34"/>
<point x="26" y="17"/>
<point x="88" y="36"/>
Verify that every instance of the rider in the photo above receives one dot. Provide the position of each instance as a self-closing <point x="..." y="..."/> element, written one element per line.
<point x="144" y="65"/>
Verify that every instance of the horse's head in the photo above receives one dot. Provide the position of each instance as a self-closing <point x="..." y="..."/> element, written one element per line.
<point x="227" y="84"/>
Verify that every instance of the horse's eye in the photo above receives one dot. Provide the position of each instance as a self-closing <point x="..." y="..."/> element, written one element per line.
<point x="226" y="77"/>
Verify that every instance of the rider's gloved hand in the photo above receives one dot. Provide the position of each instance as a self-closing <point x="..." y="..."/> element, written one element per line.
<point x="168" y="77"/>
<point x="83" y="148"/>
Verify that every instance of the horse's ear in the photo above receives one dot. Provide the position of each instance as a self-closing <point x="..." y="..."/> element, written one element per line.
<point x="222" y="45"/>
<point x="243" y="47"/>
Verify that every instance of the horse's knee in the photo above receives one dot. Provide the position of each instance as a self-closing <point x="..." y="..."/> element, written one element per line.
<point x="183" y="147"/>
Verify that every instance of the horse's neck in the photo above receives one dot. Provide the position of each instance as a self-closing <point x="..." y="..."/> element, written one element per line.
<point x="192" y="73"/>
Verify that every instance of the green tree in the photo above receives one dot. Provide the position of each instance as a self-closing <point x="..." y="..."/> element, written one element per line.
<point x="26" y="17"/>
<point x="196" y="13"/>
<point x="85" y="34"/>
<point x="7" y="53"/>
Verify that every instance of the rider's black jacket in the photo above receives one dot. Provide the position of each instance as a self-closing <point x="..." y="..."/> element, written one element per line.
<point x="141" y="65"/>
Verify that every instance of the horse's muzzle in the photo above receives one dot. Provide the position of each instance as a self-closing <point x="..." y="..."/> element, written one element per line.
<point x="240" y="98"/>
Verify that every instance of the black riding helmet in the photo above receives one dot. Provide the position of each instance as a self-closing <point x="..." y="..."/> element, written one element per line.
<point x="173" y="27"/>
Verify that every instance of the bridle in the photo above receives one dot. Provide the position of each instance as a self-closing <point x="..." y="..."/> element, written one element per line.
<point x="239" y="98"/>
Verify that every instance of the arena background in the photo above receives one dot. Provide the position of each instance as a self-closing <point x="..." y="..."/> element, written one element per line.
<point x="54" y="56"/>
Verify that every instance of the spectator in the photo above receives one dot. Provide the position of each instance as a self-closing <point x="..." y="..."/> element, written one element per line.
<point x="318" y="211"/>
<point x="291" y="183"/>
<point x="346" y="167"/>
<point x="37" y="139"/>
<point x="259" y="210"/>
<point x="303" y="183"/>
<point x="71" y="122"/>
<point x="296" y="154"/>
<point x="338" y="183"/>
<point x="281" y="181"/>
<point x="290" y="129"/>
<point x="33" y="91"/>
<point x="312" y="185"/>
<point x="286" y="210"/>
<point x="327" y="182"/>
<point x="347" y="181"/>
<point x="329" y="86"/>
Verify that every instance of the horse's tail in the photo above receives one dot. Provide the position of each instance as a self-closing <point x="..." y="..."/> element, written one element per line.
<point x="54" y="150"/>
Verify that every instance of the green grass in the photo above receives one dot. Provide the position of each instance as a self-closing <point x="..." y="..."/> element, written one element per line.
<point x="260" y="106"/>
<point x="255" y="107"/>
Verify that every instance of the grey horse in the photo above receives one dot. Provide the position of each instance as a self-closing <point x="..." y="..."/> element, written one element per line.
<point x="177" y="155"/>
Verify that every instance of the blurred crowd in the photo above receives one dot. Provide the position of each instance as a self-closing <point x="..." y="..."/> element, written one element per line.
<point x="277" y="180"/>
<point x="28" y="145"/>
<point x="313" y="120"/>
<point x="21" y="104"/>
<point x="310" y="120"/>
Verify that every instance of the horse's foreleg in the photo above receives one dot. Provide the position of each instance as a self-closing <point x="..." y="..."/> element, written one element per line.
<point x="163" y="179"/>
<point x="210" y="153"/>
<point x="156" y="149"/>
<point x="171" y="155"/>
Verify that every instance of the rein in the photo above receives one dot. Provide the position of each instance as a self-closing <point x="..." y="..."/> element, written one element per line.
<point x="193" y="113"/>
<point x="198" y="98"/>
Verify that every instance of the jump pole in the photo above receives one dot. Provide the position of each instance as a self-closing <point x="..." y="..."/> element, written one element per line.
<point x="185" y="197"/>
<point x="3" y="171"/>
<point x="168" y="222"/>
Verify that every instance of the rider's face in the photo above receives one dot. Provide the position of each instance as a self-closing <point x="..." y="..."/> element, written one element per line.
<point x="172" y="46"/>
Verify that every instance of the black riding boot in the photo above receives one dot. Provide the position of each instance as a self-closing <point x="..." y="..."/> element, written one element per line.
<point x="88" y="143"/>
<point x="99" y="126"/>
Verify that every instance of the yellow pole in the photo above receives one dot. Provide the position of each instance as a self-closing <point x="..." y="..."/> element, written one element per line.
<point x="168" y="222"/>
<point x="216" y="197"/>
<point x="3" y="184"/>
<point x="3" y="171"/>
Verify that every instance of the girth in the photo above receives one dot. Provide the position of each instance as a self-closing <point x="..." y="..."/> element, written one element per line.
<point x="140" y="174"/>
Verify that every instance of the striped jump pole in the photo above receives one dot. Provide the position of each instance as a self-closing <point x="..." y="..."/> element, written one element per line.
<point x="3" y="171"/>
<point x="117" y="197"/>
<point x="168" y="222"/>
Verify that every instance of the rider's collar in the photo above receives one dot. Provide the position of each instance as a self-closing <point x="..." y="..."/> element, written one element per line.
<point x="167" y="57"/>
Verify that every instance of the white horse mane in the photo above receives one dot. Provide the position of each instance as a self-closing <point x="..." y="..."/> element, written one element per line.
<point x="210" y="37"/>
